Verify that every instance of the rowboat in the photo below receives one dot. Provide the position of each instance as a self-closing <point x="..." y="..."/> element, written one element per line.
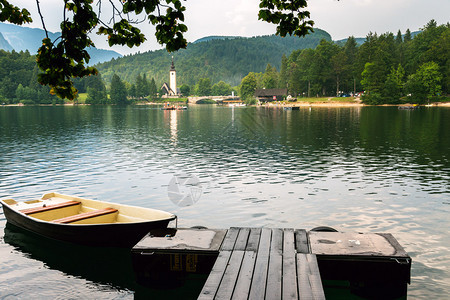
<point x="84" y="221"/>
<point x="174" y="108"/>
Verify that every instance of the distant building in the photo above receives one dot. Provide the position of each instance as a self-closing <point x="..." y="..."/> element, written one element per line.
<point x="268" y="95"/>
<point x="171" y="90"/>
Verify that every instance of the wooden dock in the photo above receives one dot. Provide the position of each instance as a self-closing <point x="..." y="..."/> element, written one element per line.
<point x="255" y="263"/>
<point x="275" y="263"/>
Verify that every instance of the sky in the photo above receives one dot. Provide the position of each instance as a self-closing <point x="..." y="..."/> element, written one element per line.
<point x="341" y="19"/>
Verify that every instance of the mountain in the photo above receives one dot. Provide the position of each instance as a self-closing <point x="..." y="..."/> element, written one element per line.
<point x="360" y="41"/>
<point x="214" y="37"/>
<point x="4" y="44"/>
<point x="21" y="38"/>
<point x="218" y="58"/>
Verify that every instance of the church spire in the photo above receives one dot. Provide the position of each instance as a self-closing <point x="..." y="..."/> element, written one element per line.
<point x="173" y="79"/>
<point x="172" y="67"/>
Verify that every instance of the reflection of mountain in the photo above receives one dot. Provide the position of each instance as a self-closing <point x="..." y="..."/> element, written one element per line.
<point x="22" y="38"/>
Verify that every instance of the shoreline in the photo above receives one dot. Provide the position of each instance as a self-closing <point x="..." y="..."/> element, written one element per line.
<point x="347" y="104"/>
<point x="269" y="104"/>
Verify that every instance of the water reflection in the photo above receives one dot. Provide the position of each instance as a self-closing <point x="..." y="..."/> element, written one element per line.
<point x="105" y="273"/>
<point x="366" y="169"/>
<point x="100" y="265"/>
<point x="173" y="125"/>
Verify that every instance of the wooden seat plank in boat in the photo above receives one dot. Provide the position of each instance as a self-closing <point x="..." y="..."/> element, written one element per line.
<point x="34" y="210"/>
<point x="123" y="227"/>
<point x="86" y="215"/>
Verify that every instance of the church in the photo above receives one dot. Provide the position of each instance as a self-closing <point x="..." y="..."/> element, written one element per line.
<point x="171" y="90"/>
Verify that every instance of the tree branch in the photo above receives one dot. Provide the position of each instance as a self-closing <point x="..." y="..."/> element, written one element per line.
<point x="42" y="18"/>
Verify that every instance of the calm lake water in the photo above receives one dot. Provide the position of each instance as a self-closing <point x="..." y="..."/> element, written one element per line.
<point x="371" y="169"/>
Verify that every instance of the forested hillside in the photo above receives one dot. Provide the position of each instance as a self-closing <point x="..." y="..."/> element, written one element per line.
<point x="18" y="80"/>
<point x="387" y="67"/>
<point x="226" y="59"/>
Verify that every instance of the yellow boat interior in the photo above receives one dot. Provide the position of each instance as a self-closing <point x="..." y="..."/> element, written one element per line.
<point x="64" y="209"/>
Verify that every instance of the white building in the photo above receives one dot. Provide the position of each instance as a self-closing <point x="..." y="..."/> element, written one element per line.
<point x="171" y="88"/>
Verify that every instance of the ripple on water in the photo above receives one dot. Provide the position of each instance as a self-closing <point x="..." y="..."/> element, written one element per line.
<point x="300" y="173"/>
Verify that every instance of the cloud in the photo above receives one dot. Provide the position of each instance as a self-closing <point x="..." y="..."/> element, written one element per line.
<point x="236" y="17"/>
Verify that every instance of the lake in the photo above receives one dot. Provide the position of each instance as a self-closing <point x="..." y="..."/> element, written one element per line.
<point x="366" y="169"/>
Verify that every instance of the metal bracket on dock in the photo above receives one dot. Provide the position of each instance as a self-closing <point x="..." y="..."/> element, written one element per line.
<point x="401" y="261"/>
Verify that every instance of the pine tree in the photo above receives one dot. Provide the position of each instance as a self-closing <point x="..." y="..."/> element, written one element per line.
<point x="270" y="77"/>
<point x="118" y="92"/>
<point x="140" y="86"/>
<point x="283" y="79"/>
<point x="398" y="38"/>
<point x="153" y="89"/>
<point x="407" y="36"/>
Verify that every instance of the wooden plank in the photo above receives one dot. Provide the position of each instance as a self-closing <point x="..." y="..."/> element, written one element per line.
<point x="253" y="239"/>
<point x="258" y="286"/>
<point x="86" y="215"/>
<point x="290" y="290"/>
<point x="228" y="281"/>
<point x="215" y="277"/>
<point x="301" y="241"/>
<point x="304" y="287"/>
<point x="315" y="280"/>
<point x="29" y="211"/>
<point x="230" y="239"/>
<point x="244" y="280"/>
<point x="276" y="244"/>
<point x="273" y="286"/>
<point x="241" y="241"/>
<point x="399" y="251"/>
<point x="309" y="282"/>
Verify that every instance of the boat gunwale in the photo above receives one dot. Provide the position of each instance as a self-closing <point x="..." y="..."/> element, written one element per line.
<point x="170" y="217"/>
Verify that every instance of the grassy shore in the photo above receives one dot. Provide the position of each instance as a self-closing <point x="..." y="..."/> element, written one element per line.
<point x="320" y="101"/>
<point x="329" y="100"/>
<point x="82" y="98"/>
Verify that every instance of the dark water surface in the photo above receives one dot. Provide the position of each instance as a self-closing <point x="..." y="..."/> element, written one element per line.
<point x="374" y="169"/>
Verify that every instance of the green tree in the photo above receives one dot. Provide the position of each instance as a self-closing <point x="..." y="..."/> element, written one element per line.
<point x="416" y="89"/>
<point x="204" y="87"/>
<point x="351" y="54"/>
<point x="339" y="64"/>
<point x="146" y="86"/>
<point x="393" y="87"/>
<point x="153" y="89"/>
<point x="429" y="77"/>
<point x="67" y="58"/>
<point x="96" y="90"/>
<point x="270" y="77"/>
<point x="248" y="86"/>
<point x="132" y="91"/>
<point x="408" y="36"/>
<point x="185" y="90"/>
<point x="322" y="65"/>
<point x="283" y="79"/>
<point x="118" y="91"/>
<point x="372" y="84"/>
<point x="301" y="73"/>
<point x="8" y="88"/>
<point x="142" y="86"/>
<point x="221" y="89"/>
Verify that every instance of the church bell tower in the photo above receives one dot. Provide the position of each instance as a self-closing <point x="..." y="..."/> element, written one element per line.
<point x="173" y="78"/>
